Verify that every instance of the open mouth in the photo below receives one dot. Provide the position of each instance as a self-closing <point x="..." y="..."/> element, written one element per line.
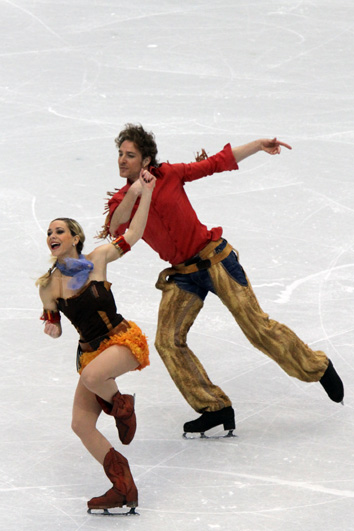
<point x="54" y="245"/>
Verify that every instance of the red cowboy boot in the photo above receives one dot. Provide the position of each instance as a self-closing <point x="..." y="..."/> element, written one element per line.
<point x="124" y="491"/>
<point x="123" y="412"/>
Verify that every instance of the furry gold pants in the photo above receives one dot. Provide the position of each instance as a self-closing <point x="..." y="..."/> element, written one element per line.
<point x="182" y="300"/>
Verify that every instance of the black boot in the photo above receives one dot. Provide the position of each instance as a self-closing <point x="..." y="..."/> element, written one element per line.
<point x="208" y="420"/>
<point x="332" y="384"/>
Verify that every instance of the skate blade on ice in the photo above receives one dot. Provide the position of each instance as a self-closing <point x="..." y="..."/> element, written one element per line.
<point x="106" y="512"/>
<point x="201" y="435"/>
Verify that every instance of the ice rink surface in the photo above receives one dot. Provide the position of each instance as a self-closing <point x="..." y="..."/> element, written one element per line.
<point x="199" y="74"/>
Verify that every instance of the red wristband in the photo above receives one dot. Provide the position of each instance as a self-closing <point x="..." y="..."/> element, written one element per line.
<point x="51" y="316"/>
<point x="121" y="245"/>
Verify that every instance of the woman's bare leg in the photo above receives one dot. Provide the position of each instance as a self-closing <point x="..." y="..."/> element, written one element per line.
<point x="86" y="411"/>
<point x="99" y="376"/>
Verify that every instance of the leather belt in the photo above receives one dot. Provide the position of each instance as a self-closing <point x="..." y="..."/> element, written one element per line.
<point x="196" y="263"/>
<point x="201" y="260"/>
<point x="91" y="346"/>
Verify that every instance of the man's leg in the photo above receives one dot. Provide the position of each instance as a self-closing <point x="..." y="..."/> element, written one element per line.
<point x="274" y="339"/>
<point x="178" y="311"/>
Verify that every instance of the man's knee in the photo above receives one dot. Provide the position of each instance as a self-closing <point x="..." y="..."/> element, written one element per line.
<point x="163" y="344"/>
<point x="169" y="340"/>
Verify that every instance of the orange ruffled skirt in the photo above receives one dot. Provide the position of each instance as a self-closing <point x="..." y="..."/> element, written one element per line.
<point x="133" y="338"/>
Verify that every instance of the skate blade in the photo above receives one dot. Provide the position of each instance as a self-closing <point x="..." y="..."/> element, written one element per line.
<point x="106" y="512"/>
<point x="202" y="435"/>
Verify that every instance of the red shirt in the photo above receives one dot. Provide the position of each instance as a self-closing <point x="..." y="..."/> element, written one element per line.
<point x="173" y="229"/>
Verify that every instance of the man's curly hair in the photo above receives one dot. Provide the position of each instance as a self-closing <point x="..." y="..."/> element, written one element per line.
<point x="144" y="141"/>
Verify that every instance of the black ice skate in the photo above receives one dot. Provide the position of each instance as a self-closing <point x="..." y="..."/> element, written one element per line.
<point x="208" y="420"/>
<point x="332" y="384"/>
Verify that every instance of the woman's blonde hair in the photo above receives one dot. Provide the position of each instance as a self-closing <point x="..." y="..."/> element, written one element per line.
<point x="75" y="230"/>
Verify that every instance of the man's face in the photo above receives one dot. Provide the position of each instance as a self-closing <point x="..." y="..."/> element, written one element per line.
<point x="130" y="161"/>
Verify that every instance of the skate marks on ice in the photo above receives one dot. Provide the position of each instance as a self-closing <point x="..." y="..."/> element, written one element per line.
<point x="286" y="293"/>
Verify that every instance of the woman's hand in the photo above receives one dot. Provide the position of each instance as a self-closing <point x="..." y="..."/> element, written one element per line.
<point x="52" y="330"/>
<point x="147" y="180"/>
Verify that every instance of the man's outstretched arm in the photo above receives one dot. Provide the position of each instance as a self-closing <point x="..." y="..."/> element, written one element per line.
<point x="273" y="147"/>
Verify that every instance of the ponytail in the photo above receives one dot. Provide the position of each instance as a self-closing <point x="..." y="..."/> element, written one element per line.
<point x="44" y="279"/>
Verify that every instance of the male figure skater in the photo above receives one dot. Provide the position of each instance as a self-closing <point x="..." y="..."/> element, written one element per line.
<point x="202" y="261"/>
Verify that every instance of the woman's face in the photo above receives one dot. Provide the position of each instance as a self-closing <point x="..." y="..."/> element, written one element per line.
<point x="60" y="240"/>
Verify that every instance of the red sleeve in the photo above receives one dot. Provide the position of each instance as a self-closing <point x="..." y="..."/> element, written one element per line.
<point x="222" y="161"/>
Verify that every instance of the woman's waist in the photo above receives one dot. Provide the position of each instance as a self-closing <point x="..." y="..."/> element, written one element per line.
<point x="95" y="335"/>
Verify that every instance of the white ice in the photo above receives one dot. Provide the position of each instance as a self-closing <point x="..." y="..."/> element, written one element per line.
<point x="199" y="74"/>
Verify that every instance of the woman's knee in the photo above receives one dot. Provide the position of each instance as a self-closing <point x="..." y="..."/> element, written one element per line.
<point x="90" y="378"/>
<point x="77" y="427"/>
<point x="82" y="424"/>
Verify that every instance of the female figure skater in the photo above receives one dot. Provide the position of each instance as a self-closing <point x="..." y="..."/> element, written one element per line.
<point x="109" y="346"/>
